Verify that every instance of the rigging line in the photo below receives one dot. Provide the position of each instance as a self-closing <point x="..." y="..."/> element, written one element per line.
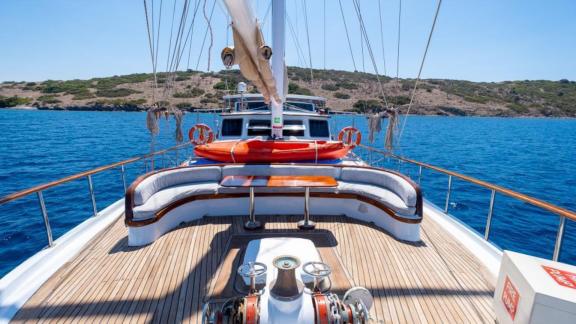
<point x="177" y="45"/>
<point x="347" y="35"/>
<point x="382" y="35"/>
<point x="158" y="35"/>
<point x="171" y="31"/>
<point x="211" y="34"/>
<point x="299" y="50"/>
<point x="151" y="46"/>
<point x="398" y="47"/>
<point x="324" y="35"/>
<point x="190" y="33"/>
<point x="421" y="67"/>
<point x="362" y="45"/>
<point x="370" y="52"/>
<point x="182" y="47"/>
<point x="305" y="5"/>
<point x="204" y="41"/>
<point x="267" y="14"/>
<point x="179" y="35"/>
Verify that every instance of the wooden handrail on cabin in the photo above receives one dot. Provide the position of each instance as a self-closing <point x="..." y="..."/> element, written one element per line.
<point x="77" y="176"/>
<point x="514" y="194"/>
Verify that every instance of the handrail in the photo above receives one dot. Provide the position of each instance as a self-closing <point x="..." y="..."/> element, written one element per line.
<point x="509" y="192"/>
<point x="562" y="212"/>
<point x="80" y="175"/>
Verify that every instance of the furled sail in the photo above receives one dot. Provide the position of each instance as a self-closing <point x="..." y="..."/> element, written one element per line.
<point x="250" y="52"/>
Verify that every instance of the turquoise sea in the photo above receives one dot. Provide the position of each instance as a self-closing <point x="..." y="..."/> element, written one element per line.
<point x="531" y="155"/>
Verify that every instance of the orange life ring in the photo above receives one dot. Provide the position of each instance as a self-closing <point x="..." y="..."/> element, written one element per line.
<point x="347" y="134"/>
<point x="205" y="134"/>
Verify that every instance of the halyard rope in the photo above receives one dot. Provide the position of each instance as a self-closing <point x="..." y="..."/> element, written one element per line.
<point x="420" y="70"/>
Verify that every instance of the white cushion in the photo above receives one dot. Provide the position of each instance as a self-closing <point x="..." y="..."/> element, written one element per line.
<point x="266" y="170"/>
<point x="165" y="179"/>
<point x="384" y="179"/>
<point x="169" y="195"/>
<point x="382" y="195"/>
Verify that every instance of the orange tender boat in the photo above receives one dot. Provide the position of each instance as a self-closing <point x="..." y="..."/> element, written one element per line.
<point x="248" y="151"/>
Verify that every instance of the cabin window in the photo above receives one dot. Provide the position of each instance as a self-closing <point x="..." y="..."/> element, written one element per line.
<point x="252" y="105"/>
<point x="259" y="127"/>
<point x="293" y="127"/>
<point x="232" y="127"/>
<point x="299" y="106"/>
<point x="319" y="128"/>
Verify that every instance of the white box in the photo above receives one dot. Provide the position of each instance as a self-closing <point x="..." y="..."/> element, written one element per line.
<point x="537" y="291"/>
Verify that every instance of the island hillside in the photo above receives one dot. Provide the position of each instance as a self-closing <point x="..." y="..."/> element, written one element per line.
<point x="344" y="91"/>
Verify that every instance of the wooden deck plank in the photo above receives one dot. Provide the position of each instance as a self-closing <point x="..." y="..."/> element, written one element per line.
<point x="169" y="280"/>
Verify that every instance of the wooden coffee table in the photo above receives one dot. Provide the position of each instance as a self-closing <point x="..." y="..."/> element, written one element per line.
<point x="279" y="181"/>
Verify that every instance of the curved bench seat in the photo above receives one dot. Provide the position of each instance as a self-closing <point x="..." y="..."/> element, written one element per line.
<point x="159" y="201"/>
<point x="167" y="196"/>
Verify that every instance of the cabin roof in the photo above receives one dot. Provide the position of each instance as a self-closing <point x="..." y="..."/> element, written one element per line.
<point x="267" y="112"/>
<point x="251" y="96"/>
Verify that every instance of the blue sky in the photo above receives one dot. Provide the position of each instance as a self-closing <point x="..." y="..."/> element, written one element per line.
<point x="487" y="40"/>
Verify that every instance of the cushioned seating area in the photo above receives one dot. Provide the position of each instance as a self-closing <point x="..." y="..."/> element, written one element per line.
<point x="170" y="178"/>
<point x="159" y="190"/>
<point x="387" y="180"/>
<point x="169" y="195"/>
<point x="382" y="195"/>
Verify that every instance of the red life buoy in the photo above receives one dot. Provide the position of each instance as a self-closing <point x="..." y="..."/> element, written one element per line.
<point x="205" y="134"/>
<point x="347" y="134"/>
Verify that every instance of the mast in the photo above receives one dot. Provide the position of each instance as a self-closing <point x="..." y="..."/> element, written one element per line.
<point x="278" y="65"/>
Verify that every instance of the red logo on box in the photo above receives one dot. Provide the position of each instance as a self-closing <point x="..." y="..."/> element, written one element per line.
<point x="563" y="278"/>
<point x="510" y="297"/>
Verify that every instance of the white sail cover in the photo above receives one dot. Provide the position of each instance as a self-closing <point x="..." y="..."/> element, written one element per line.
<point x="248" y="40"/>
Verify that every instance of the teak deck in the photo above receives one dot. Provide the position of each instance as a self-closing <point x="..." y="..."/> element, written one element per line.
<point x="435" y="281"/>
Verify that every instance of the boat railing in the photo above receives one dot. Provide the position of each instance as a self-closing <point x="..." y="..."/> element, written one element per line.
<point x="150" y="163"/>
<point x="563" y="213"/>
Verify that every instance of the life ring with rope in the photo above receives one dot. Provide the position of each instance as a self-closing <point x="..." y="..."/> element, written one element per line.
<point x="350" y="136"/>
<point x="205" y="134"/>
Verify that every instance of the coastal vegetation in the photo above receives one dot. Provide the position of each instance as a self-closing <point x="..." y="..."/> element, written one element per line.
<point x="351" y="91"/>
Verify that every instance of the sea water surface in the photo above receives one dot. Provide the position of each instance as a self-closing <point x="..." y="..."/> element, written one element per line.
<point x="533" y="156"/>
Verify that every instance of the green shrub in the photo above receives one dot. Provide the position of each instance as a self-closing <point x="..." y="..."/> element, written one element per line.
<point x="518" y="108"/>
<point x="330" y="87"/>
<point x="294" y="88"/>
<point x="363" y="106"/>
<point x="7" y="102"/>
<point x="192" y="93"/>
<point x="48" y="100"/>
<point x="119" y="102"/>
<point x="477" y="99"/>
<point x="184" y="105"/>
<point x="347" y="85"/>
<point x="208" y="100"/>
<point x="399" y="100"/>
<point x="182" y="78"/>
<point x="114" y="93"/>
<point x="84" y="96"/>
<point x="221" y="85"/>
<point x="341" y="95"/>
